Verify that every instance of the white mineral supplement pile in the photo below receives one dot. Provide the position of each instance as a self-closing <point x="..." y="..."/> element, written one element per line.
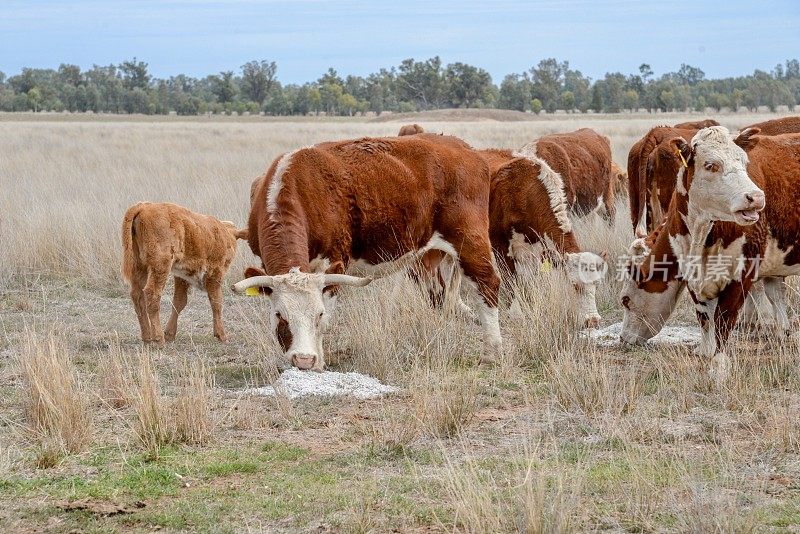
<point x="295" y="383"/>
<point x="669" y="335"/>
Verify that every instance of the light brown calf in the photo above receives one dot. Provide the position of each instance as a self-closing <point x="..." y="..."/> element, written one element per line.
<point x="411" y="129"/>
<point x="163" y="239"/>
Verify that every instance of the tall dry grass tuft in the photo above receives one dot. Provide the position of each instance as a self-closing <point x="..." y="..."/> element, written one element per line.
<point x="593" y="384"/>
<point x="151" y="426"/>
<point x="55" y="403"/>
<point x="191" y="411"/>
<point x="445" y="403"/>
<point x="114" y="375"/>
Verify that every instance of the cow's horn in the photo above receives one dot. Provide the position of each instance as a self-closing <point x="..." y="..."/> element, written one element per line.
<point x="345" y="280"/>
<point x="253" y="281"/>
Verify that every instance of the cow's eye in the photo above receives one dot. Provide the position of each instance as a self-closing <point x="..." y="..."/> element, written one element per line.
<point x="710" y="166"/>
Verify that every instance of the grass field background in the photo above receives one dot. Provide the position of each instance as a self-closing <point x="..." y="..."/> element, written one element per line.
<point x="98" y="433"/>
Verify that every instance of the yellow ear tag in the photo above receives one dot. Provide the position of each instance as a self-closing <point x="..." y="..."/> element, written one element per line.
<point x="547" y="266"/>
<point x="251" y="291"/>
<point x="683" y="160"/>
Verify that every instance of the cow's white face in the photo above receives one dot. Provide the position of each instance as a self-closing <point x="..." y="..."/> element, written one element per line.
<point x="586" y="270"/>
<point x="721" y="189"/>
<point x="647" y="303"/>
<point x="299" y="314"/>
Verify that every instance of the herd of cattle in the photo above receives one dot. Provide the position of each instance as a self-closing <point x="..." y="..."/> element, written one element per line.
<point x="711" y="210"/>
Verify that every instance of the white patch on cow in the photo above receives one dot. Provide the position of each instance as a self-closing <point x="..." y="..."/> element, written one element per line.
<point x="775" y="292"/>
<point x="774" y="261"/>
<point x="647" y="312"/>
<point x="522" y="251"/>
<point x="708" y="341"/>
<point x="553" y="184"/>
<point x="276" y="184"/>
<point x="679" y="187"/>
<point x="195" y="279"/>
<point x="319" y="265"/>
<point x="641" y="224"/>
<point x="489" y="318"/>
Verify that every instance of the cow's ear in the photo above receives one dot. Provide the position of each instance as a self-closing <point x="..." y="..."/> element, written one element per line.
<point x="681" y="148"/>
<point x="745" y="138"/>
<point x="250" y="272"/>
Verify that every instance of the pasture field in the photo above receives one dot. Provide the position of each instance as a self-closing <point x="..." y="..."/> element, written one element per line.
<point x="98" y="433"/>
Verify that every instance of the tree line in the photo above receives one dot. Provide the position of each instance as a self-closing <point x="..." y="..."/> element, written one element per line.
<point x="411" y="86"/>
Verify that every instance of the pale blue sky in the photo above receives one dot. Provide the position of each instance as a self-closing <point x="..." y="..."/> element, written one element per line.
<point x="305" y="37"/>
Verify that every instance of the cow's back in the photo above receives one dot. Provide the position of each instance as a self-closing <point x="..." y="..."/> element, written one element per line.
<point x="783" y="125"/>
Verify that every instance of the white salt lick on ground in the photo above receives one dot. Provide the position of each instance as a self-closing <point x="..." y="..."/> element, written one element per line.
<point x="294" y="383"/>
<point x="669" y="335"/>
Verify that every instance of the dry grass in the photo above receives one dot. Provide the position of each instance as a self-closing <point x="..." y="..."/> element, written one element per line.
<point x="152" y="427"/>
<point x="636" y="440"/>
<point x="55" y="404"/>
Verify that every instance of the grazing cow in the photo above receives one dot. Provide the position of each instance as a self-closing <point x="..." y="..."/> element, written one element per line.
<point x="784" y="125"/>
<point x="527" y="220"/>
<point x="159" y="239"/>
<point x="719" y="261"/>
<point x="583" y="159"/>
<point x="696" y="125"/>
<point x="411" y="129"/>
<point x="372" y="205"/>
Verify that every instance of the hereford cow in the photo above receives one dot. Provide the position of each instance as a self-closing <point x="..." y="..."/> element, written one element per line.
<point x="162" y="239"/>
<point x="371" y="206"/>
<point x="696" y="125"/>
<point x="583" y="160"/>
<point x="528" y="221"/>
<point x="411" y="129"/>
<point x="620" y="178"/>
<point x="719" y="261"/>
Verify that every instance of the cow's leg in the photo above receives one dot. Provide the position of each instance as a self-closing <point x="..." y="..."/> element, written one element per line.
<point x="156" y="280"/>
<point x="179" y="300"/>
<point x="475" y="257"/>
<point x="775" y="290"/>
<point x="138" y="282"/>
<point x="214" y="288"/>
<point x="426" y="273"/>
<point x="610" y="214"/>
<point x="728" y="304"/>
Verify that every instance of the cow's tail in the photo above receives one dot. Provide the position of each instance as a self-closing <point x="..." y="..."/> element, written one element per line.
<point x="129" y="254"/>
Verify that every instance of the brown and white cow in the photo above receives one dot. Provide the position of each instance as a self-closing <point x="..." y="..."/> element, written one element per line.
<point x="620" y="178"/>
<point x="163" y="239"/>
<point x="528" y="222"/>
<point x="583" y="160"/>
<point x="718" y="261"/>
<point x="372" y="206"/>
<point x="411" y="129"/>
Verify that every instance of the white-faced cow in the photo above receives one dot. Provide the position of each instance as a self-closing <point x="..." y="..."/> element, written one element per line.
<point x="162" y="239"/>
<point x="714" y="240"/>
<point x="370" y="206"/>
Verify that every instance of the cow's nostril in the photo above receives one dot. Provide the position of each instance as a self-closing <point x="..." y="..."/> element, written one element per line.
<point x="749" y="198"/>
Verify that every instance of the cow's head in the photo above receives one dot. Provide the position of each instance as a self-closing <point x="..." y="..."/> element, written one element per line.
<point x="649" y="291"/>
<point x="716" y="180"/>
<point x="586" y="270"/>
<point x="299" y="314"/>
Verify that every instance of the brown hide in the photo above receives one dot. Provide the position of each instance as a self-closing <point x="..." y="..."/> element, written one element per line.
<point x="583" y="159"/>
<point x="163" y="239"/>
<point x="696" y="125"/>
<point x="784" y="125"/>
<point x="375" y="199"/>
<point x="411" y="129"/>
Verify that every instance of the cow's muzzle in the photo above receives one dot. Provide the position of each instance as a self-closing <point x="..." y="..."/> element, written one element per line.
<point x="305" y="362"/>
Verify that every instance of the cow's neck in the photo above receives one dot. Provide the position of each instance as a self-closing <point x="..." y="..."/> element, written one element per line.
<point x="285" y="238"/>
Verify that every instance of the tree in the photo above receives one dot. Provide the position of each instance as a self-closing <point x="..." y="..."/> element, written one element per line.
<point x="422" y="82"/>
<point x="645" y="72"/>
<point x="258" y="79"/>
<point x="515" y="92"/>
<point x="568" y="100"/>
<point x="548" y="79"/>
<point x="34" y="98"/>
<point x="134" y="74"/>
<point x="597" y="98"/>
<point x="224" y="86"/>
<point x="467" y="85"/>
<point x="536" y="106"/>
<point x="630" y="100"/>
